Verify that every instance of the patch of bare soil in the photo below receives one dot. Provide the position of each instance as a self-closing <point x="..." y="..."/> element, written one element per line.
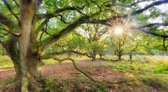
<point x="65" y="70"/>
<point x="94" y="69"/>
<point x="6" y="73"/>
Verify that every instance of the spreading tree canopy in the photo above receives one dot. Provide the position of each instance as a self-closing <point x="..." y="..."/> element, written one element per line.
<point x="28" y="27"/>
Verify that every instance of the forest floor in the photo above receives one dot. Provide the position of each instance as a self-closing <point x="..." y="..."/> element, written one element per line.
<point x="6" y="73"/>
<point x="140" y="75"/>
<point x="96" y="69"/>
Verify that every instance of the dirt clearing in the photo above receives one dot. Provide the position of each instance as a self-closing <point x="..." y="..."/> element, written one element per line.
<point x="66" y="70"/>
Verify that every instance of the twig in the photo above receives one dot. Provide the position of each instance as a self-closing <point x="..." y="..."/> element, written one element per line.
<point x="16" y="3"/>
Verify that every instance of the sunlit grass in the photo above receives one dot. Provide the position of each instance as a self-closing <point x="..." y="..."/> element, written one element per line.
<point x="5" y="61"/>
<point x="7" y="83"/>
<point x="76" y="58"/>
<point x="141" y="64"/>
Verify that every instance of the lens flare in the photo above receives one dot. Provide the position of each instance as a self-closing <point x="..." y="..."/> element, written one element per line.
<point x="118" y="30"/>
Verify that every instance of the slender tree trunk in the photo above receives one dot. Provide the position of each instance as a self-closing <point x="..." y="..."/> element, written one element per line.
<point x="119" y="56"/>
<point x="130" y="55"/>
<point x="101" y="56"/>
<point x="93" y="56"/>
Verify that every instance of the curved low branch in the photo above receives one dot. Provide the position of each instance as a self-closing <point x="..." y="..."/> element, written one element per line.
<point x="75" y="66"/>
<point x="63" y="52"/>
<point x="64" y="31"/>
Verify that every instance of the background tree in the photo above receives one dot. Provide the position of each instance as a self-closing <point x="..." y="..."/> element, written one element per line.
<point x="89" y="41"/>
<point x="94" y="36"/>
<point x="119" y="33"/>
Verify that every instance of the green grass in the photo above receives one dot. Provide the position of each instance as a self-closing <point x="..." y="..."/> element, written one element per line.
<point x="5" y="61"/>
<point x="73" y="85"/>
<point x="8" y="83"/>
<point x="140" y="83"/>
<point x="49" y="61"/>
<point x="143" y="83"/>
<point x="149" y="73"/>
<point x="157" y="81"/>
<point x="140" y="65"/>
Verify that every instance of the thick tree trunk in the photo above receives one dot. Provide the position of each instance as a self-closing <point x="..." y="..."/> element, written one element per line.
<point x="35" y="82"/>
<point x="18" y="70"/>
<point x="28" y="54"/>
<point x="12" y="50"/>
<point x="31" y="65"/>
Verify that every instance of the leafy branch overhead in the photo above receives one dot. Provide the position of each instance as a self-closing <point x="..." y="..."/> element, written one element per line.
<point x="82" y="16"/>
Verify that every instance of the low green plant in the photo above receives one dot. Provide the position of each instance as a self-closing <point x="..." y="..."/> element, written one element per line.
<point x="138" y="66"/>
<point x="73" y="85"/>
<point x="7" y="83"/>
<point x="156" y="81"/>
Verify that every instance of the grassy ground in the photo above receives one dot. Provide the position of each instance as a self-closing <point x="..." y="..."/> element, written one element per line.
<point x="5" y="61"/>
<point x="141" y="74"/>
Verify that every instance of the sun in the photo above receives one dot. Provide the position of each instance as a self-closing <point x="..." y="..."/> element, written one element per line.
<point x="118" y="30"/>
<point x="120" y="27"/>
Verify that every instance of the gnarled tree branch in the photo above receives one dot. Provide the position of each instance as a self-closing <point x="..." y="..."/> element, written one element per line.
<point x="106" y="21"/>
<point x="10" y="9"/>
<point x="64" y="31"/>
<point x="149" y="6"/>
<point x="6" y="21"/>
<point x="57" y="12"/>
<point x="144" y="29"/>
